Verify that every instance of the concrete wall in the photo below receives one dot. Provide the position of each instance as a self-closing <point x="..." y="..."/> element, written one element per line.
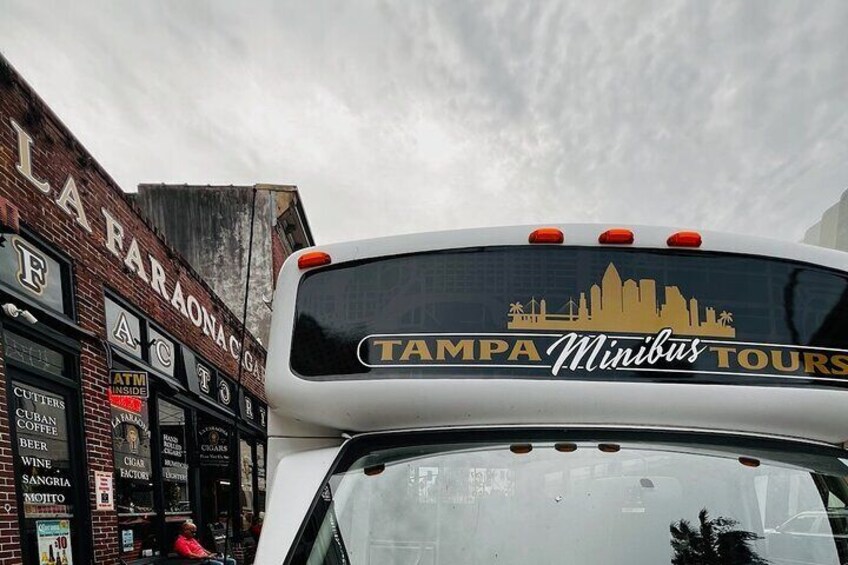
<point x="829" y="227"/>
<point x="813" y="234"/>
<point x="210" y="226"/>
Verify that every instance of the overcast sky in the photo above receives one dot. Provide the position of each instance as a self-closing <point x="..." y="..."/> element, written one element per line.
<point x="394" y="117"/>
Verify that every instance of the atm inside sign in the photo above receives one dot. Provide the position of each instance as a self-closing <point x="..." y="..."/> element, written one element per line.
<point x="130" y="383"/>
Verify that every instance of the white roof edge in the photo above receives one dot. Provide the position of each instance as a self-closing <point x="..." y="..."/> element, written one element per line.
<point x="578" y="235"/>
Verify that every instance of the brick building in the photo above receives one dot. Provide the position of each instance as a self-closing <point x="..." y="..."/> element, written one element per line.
<point x="119" y="366"/>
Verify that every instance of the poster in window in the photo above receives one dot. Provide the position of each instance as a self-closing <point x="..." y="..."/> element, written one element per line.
<point x="131" y="440"/>
<point x="54" y="542"/>
<point x="214" y="442"/>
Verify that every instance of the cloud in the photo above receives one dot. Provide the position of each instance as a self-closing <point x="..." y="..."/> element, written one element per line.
<point x="407" y="116"/>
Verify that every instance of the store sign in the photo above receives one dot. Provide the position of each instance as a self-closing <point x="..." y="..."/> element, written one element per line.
<point x="105" y="494"/>
<point x="54" y="542"/>
<point x="252" y="410"/>
<point x="43" y="465"/>
<point x="161" y="352"/>
<point x="248" y="407"/>
<point x="27" y="269"/>
<point x="214" y="444"/>
<point x="129" y="383"/>
<point x="204" y="379"/>
<point x="225" y="391"/>
<point x="131" y="443"/>
<point x="123" y="328"/>
<point x="120" y="242"/>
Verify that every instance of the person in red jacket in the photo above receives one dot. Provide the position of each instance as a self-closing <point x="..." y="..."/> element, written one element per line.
<point x="187" y="546"/>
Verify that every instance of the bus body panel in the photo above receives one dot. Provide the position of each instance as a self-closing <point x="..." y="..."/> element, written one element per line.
<point x="293" y="482"/>
<point x="309" y="418"/>
<point x="366" y="405"/>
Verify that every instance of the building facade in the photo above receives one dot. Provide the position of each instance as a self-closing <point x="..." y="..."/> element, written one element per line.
<point x="210" y="226"/>
<point x="130" y="399"/>
<point x="832" y="229"/>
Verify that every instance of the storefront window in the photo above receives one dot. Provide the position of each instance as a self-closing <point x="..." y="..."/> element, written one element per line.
<point x="214" y="448"/>
<point x="260" y="476"/>
<point x="45" y="475"/>
<point x="175" y="469"/>
<point x="247" y="510"/>
<point x="133" y="476"/>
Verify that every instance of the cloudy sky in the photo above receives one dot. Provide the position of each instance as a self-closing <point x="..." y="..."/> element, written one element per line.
<point x="394" y="117"/>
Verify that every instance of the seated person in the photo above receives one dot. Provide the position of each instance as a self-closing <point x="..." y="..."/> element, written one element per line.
<point x="187" y="546"/>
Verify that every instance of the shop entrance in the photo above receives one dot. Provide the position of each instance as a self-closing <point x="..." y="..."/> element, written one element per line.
<point x="214" y="440"/>
<point x="49" y="471"/>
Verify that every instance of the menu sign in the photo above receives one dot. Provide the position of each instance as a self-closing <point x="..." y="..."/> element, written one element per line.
<point x="214" y="442"/>
<point x="42" y="456"/>
<point x="131" y="441"/>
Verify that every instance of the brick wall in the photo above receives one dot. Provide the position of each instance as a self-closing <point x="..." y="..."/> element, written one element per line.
<point x="56" y="154"/>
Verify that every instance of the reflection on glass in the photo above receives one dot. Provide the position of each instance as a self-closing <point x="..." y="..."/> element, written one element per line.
<point x="260" y="478"/>
<point x="648" y="503"/>
<point x="247" y="514"/>
<point x="714" y="541"/>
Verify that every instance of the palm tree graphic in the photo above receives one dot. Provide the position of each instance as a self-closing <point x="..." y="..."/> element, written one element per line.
<point x="516" y="308"/>
<point x="725" y="318"/>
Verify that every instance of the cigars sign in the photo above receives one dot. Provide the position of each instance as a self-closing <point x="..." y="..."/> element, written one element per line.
<point x="613" y="327"/>
<point x="126" y="248"/>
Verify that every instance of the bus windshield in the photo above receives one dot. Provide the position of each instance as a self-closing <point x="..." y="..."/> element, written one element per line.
<point x="639" y="500"/>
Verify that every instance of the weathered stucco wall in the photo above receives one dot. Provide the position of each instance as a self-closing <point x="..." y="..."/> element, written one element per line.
<point x="210" y="226"/>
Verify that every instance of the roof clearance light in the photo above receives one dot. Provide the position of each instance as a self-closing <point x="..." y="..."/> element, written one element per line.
<point x="521" y="448"/>
<point x="609" y="447"/>
<point x="619" y="236"/>
<point x="547" y="235"/>
<point x="374" y="469"/>
<point x="749" y="461"/>
<point x="565" y="447"/>
<point x="313" y="259"/>
<point x="684" y="239"/>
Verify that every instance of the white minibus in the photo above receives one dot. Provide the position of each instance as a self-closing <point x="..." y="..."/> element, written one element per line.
<point x="580" y="394"/>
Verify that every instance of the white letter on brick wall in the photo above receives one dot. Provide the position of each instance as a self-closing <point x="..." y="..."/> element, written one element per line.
<point x="25" y="159"/>
<point x="178" y="301"/>
<point x="133" y="260"/>
<point x="69" y="201"/>
<point x="114" y="234"/>
<point x="157" y="277"/>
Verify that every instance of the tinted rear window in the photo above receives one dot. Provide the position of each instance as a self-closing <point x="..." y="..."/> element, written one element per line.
<point x="500" y="312"/>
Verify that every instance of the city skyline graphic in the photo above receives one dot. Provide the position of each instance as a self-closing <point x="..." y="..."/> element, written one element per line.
<point x="628" y="306"/>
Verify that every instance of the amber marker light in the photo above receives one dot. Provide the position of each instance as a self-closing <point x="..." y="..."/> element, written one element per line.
<point x="620" y="236"/>
<point x="609" y="447"/>
<point x="521" y="448"/>
<point x="547" y="235"/>
<point x="374" y="469"/>
<point x="565" y="447"/>
<point x="313" y="259"/>
<point x="684" y="239"/>
<point x="749" y="461"/>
